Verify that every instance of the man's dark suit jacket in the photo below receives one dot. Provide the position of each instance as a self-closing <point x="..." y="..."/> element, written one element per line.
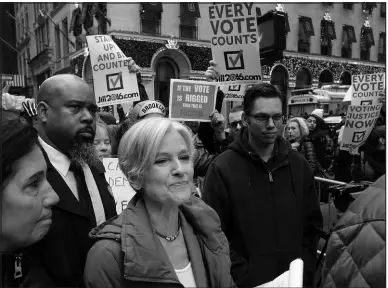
<point x="63" y="251"/>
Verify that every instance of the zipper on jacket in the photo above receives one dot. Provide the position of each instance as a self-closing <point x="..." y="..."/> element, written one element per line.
<point x="270" y="172"/>
<point x="18" y="266"/>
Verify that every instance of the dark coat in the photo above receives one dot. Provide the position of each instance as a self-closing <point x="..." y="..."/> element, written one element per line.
<point x="129" y="254"/>
<point x="63" y="250"/>
<point x="306" y="148"/>
<point x="268" y="211"/>
<point x="355" y="254"/>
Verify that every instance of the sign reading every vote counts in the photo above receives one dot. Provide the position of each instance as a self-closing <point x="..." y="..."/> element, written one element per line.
<point x="235" y="42"/>
<point x="113" y="83"/>
<point x="192" y="100"/>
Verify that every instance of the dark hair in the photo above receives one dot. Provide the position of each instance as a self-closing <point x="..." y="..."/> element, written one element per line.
<point x="16" y="140"/>
<point x="237" y="108"/>
<point x="257" y="91"/>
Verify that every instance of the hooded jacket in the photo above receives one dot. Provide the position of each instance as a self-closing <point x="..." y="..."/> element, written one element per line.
<point x="268" y="211"/>
<point x="355" y="254"/>
<point x="129" y="254"/>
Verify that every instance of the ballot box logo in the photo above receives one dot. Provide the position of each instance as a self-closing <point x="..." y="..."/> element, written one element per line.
<point x="234" y="60"/>
<point x="234" y="88"/>
<point x="114" y="81"/>
<point x="366" y="102"/>
<point x="358" y="136"/>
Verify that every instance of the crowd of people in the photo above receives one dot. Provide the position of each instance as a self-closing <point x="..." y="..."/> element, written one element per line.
<point x="215" y="206"/>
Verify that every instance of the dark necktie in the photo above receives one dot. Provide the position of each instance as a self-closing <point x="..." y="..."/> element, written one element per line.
<point x="82" y="188"/>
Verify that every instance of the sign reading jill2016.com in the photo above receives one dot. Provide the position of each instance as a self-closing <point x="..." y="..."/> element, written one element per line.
<point x="235" y="42"/>
<point x="192" y="100"/>
<point x="113" y="83"/>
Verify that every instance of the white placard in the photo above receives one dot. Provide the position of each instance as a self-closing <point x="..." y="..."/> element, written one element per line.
<point x="234" y="92"/>
<point x="235" y="42"/>
<point x="113" y="83"/>
<point x="122" y="190"/>
<point x="366" y="89"/>
<point x="359" y="123"/>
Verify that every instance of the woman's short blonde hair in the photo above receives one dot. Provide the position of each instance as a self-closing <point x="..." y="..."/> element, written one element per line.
<point x="141" y="143"/>
<point x="303" y="128"/>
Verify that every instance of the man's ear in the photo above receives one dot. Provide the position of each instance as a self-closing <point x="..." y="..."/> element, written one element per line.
<point x="42" y="110"/>
<point x="244" y="119"/>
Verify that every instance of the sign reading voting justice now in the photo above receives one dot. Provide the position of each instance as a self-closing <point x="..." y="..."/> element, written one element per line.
<point x="121" y="189"/>
<point x="234" y="92"/>
<point x="192" y="100"/>
<point x="113" y="83"/>
<point x="235" y="42"/>
<point x="360" y="121"/>
<point x="362" y="114"/>
<point x="366" y="88"/>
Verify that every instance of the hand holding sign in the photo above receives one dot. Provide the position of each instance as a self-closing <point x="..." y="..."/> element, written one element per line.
<point x="132" y="66"/>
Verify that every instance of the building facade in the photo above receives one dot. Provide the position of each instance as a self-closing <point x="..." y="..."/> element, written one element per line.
<point x="312" y="58"/>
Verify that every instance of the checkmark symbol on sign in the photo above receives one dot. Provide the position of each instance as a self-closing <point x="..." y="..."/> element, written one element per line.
<point x="235" y="60"/>
<point x="114" y="82"/>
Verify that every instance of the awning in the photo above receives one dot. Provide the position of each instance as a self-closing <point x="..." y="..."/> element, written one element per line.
<point x="307" y="24"/>
<point x="329" y="30"/>
<point x="349" y="31"/>
<point x="14" y="80"/>
<point x="190" y="10"/>
<point x="368" y="36"/>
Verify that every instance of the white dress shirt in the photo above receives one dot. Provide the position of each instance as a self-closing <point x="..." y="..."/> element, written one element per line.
<point x="62" y="164"/>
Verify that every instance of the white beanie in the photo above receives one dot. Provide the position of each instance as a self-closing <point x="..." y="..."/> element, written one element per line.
<point x="318" y="112"/>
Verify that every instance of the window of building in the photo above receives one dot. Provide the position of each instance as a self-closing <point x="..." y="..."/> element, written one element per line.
<point x="346" y="44"/>
<point x="151" y="26"/>
<point x="188" y="28"/>
<point x="348" y="6"/>
<point x="381" y="55"/>
<point x="65" y="42"/>
<point x="382" y="10"/>
<point x="304" y="39"/>
<point x="57" y="43"/>
<point x="326" y="47"/>
<point x="365" y="52"/>
<point x="27" y="23"/>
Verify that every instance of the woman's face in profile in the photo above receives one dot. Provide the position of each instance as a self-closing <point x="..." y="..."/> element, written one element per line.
<point x="27" y="199"/>
<point x="170" y="178"/>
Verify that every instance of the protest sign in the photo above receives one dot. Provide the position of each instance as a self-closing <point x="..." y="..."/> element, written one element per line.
<point x="121" y="189"/>
<point x="113" y="83"/>
<point x="234" y="92"/>
<point x="192" y="100"/>
<point x="234" y="42"/>
<point x="359" y="123"/>
<point x="366" y="88"/>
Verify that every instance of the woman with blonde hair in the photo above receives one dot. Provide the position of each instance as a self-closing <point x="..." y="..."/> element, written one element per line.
<point x="296" y="132"/>
<point x="166" y="236"/>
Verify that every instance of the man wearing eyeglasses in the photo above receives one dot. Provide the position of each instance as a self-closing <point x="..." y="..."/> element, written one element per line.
<point x="264" y="195"/>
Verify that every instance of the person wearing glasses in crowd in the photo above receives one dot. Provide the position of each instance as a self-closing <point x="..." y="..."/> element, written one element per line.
<point x="264" y="194"/>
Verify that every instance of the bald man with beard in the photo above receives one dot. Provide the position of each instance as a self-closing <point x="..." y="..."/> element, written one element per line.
<point x="66" y="126"/>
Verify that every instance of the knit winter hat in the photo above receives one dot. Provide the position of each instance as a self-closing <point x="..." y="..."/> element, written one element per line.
<point x="318" y="112"/>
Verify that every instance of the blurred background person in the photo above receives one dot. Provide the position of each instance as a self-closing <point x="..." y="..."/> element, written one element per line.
<point x="296" y="132"/>
<point x="26" y="201"/>
<point x="166" y="236"/>
<point x="320" y="135"/>
<point x="102" y="141"/>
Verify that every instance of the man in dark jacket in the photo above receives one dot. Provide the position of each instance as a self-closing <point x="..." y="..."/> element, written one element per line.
<point x="67" y="123"/>
<point x="264" y="195"/>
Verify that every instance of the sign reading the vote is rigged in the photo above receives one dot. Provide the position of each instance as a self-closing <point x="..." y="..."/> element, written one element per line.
<point x="192" y="100"/>
<point x="121" y="189"/>
<point x="234" y="92"/>
<point x="366" y="88"/>
<point x="235" y="42"/>
<point x="359" y="123"/>
<point x="113" y="83"/>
